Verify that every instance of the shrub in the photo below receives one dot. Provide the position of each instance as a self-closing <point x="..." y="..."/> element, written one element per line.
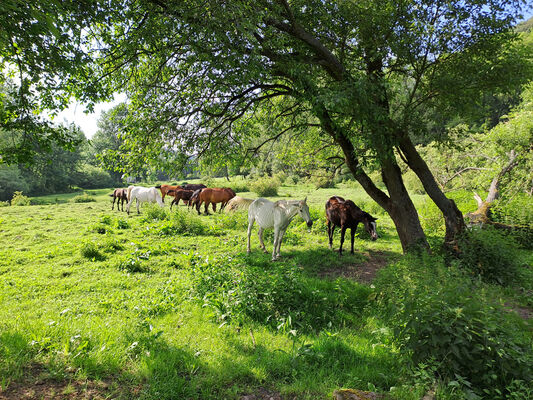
<point x="20" y="200"/>
<point x="278" y="296"/>
<point x="239" y="186"/>
<point x="4" y="203"/>
<point x="292" y="180"/>
<point x="280" y="176"/>
<point x="90" y="250"/>
<point x="153" y="212"/>
<point x="265" y="186"/>
<point x="439" y="318"/>
<point x="489" y="254"/>
<point x="11" y="180"/>
<point x="91" y="177"/>
<point x="323" y="182"/>
<point x="83" y="198"/>
<point x="518" y="212"/>
<point x="122" y="224"/>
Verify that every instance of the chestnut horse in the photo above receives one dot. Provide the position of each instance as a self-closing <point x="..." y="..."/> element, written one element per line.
<point x="346" y="214"/>
<point x="121" y="196"/>
<point x="214" y="196"/>
<point x="165" y="189"/>
<point x="180" y="194"/>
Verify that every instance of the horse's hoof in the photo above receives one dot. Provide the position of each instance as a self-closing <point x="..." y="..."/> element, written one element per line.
<point x="265" y="251"/>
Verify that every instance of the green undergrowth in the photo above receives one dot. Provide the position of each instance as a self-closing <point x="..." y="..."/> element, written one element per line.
<point x="169" y="305"/>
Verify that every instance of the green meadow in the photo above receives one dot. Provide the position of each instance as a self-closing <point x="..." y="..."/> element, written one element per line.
<point x="168" y="305"/>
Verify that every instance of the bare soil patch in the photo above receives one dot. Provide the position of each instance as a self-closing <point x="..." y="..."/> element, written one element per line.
<point x="364" y="272"/>
<point x="40" y="385"/>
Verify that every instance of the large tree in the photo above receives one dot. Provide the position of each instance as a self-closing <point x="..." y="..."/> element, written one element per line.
<point x="367" y="72"/>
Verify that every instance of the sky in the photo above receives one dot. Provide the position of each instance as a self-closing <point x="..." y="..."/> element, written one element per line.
<point x="87" y="122"/>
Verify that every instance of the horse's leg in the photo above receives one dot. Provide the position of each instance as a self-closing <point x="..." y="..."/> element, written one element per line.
<point x="353" y="236"/>
<point x="250" y="225"/>
<point x="330" y="234"/>
<point x="138" y="203"/>
<point x="343" y="231"/>
<point x="206" y="207"/>
<point x="280" y="240"/>
<point x="261" y="243"/>
<point x="113" y="205"/>
<point x="129" y="205"/>
<point x="214" y="205"/>
<point x="276" y="238"/>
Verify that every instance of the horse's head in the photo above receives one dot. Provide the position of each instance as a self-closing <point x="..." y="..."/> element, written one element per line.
<point x="303" y="211"/>
<point x="370" y="226"/>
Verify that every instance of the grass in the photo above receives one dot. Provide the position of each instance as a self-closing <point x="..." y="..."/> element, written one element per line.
<point x="169" y="305"/>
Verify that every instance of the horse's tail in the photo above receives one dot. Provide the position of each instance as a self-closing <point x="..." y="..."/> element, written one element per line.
<point x="129" y="193"/>
<point x="158" y="187"/>
<point x="112" y="195"/>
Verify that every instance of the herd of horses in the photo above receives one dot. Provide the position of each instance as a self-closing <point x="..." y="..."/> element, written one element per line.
<point x="277" y="215"/>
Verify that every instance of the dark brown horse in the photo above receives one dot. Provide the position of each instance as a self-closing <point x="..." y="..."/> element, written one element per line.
<point x="346" y="214"/>
<point x="121" y="196"/>
<point x="180" y="194"/>
<point x="165" y="189"/>
<point x="193" y="186"/>
<point x="214" y="196"/>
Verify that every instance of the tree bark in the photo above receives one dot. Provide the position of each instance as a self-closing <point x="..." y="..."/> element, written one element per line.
<point x="453" y="219"/>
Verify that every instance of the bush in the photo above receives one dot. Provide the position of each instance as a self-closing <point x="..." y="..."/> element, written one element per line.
<point x="153" y="212"/>
<point x="20" y="200"/>
<point x="83" y="198"/>
<point x="518" y="212"/>
<point x="135" y="262"/>
<point x="91" y="177"/>
<point x="323" y="182"/>
<point x="278" y="296"/>
<point x="239" y="186"/>
<point x="489" y="254"/>
<point x="292" y="180"/>
<point x="265" y="186"/>
<point x="11" y="181"/>
<point x="439" y="319"/>
<point x="90" y="250"/>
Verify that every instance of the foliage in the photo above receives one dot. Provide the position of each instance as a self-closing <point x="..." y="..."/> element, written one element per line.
<point x="19" y="199"/>
<point x="181" y="223"/>
<point x="439" y="318"/>
<point x="91" y="251"/>
<point x="277" y="297"/>
<point x="489" y="254"/>
<point x="265" y="186"/>
<point x="11" y="180"/>
<point x="321" y="182"/>
<point x="91" y="177"/>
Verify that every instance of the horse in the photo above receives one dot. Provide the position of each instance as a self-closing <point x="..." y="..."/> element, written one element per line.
<point x="165" y="189"/>
<point x="277" y="215"/>
<point x="238" y="203"/>
<point x="142" y="195"/>
<point x="193" y="186"/>
<point x="121" y="196"/>
<point x="194" y="200"/>
<point x="180" y="194"/>
<point x="213" y="196"/>
<point x="346" y="214"/>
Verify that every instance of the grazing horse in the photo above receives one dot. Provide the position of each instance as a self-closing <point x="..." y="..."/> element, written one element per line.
<point x="193" y="186"/>
<point x="277" y="215"/>
<point x="142" y="195"/>
<point x="238" y="203"/>
<point x="180" y="194"/>
<point x="194" y="200"/>
<point x="165" y="189"/>
<point x="213" y="196"/>
<point x="121" y="196"/>
<point x="346" y="214"/>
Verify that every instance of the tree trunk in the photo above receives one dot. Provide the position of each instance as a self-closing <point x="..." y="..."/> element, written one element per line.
<point x="453" y="219"/>
<point x="397" y="204"/>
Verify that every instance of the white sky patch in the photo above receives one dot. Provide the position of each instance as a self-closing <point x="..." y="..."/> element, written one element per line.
<point x="87" y="122"/>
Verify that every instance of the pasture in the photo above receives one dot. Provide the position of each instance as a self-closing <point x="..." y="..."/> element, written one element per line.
<point x="168" y="305"/>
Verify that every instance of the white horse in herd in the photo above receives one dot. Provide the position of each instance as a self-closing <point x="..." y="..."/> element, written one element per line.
<point x="143" y="195"/>
<point x="277" y="215"/>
